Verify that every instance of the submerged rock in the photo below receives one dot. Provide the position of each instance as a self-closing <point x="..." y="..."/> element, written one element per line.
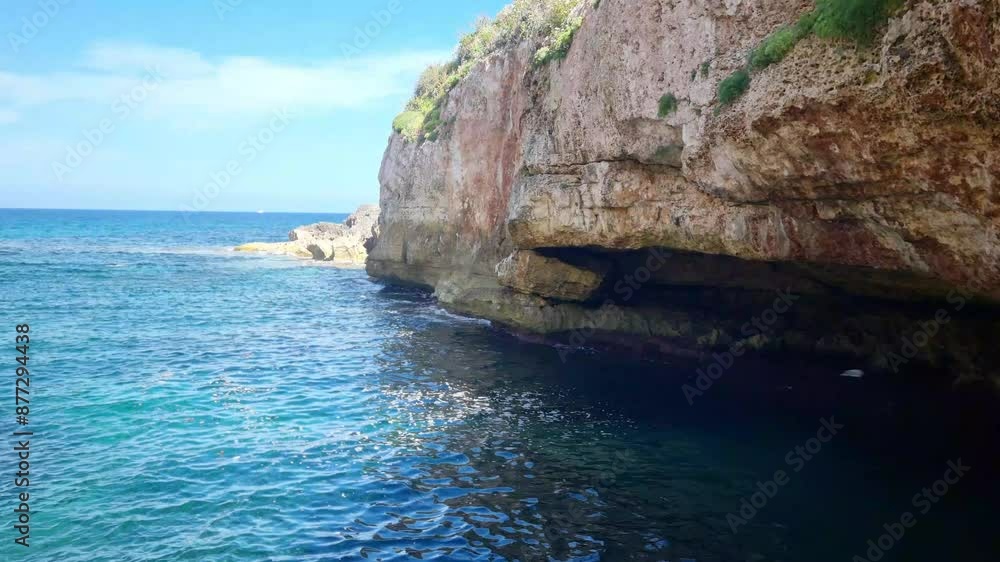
<point x="277" y="248"/>
<point x="344" y="244"/>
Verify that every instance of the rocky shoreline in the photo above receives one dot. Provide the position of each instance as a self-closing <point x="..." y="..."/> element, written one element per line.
<point x="341" y="244"/>
<point x="860" y="177"/>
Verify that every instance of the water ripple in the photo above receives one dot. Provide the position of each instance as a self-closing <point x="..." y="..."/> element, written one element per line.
<point x="198" y="405"/>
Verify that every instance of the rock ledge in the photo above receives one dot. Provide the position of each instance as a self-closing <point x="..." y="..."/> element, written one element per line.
<point x="344" y="244"/>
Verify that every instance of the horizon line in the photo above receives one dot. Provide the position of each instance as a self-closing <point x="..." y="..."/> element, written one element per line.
<point x="258" y="212"/>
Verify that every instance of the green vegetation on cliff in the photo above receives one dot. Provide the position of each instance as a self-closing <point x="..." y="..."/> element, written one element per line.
<point x="733" y="86"/>
<point x="548" y="22"/>
<point x="777" y="45"/>
<point x="854" y="20"/>
<point x="668" y="105"/>
<point x="558" y="44"/>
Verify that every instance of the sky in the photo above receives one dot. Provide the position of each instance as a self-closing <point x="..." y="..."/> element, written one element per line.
<point x="210" y="105"/>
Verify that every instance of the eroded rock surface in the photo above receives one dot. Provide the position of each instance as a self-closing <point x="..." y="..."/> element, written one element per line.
<point x="532" y="273"/>
<point x="344" y="244"/>
<point x="864" y="178"/>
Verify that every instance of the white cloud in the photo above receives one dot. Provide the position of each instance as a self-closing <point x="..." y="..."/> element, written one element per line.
<point x="194" y="87"/>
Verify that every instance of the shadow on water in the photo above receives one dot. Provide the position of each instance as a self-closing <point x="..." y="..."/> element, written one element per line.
<point x="602" y="457"/>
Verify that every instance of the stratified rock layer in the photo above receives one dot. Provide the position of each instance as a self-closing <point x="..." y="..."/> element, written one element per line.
<point x="532" y="273"/>
<point x="345" y="244"/>
<point x="863" y="178"/>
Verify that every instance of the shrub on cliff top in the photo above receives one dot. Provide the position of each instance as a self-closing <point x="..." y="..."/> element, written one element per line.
<point x="558" y="46"/>
<point x="415" y="123"/>
<point x="546" y="21"/>
<point x="522" y="19"/>
<point x="408" y="124"/>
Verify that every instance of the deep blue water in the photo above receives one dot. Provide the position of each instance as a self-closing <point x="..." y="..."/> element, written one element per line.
<point x="193" y="404"/>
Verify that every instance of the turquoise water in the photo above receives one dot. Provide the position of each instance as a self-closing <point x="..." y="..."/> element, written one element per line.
<point x="193" y="404"/>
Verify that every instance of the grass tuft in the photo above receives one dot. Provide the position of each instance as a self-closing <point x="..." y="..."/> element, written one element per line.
<point x="668" y="105"/>
<point x="777" y="45"/>
<point x="734" y="86"/>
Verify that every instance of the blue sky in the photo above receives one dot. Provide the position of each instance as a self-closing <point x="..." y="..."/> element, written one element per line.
<point x="215" y="105"/>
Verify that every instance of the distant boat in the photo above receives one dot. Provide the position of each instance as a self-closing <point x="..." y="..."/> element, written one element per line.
<point x="259" y="212"/>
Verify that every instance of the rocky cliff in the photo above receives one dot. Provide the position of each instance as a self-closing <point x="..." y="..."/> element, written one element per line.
<point x="624" y="191"/>
<point x="342" y="244"/>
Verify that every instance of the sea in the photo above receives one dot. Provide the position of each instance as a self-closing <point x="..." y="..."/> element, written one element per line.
<point x="189" y="403"/>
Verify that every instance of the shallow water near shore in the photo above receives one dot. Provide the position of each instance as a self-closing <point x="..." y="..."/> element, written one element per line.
<point x="194" y="404"/>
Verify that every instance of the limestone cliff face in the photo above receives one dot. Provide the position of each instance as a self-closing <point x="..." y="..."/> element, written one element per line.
<point x="865" y="179"/>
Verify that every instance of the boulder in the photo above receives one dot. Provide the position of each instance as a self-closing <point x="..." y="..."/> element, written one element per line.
<point x="532" y="273"/>
<point x="343" y="244"/>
